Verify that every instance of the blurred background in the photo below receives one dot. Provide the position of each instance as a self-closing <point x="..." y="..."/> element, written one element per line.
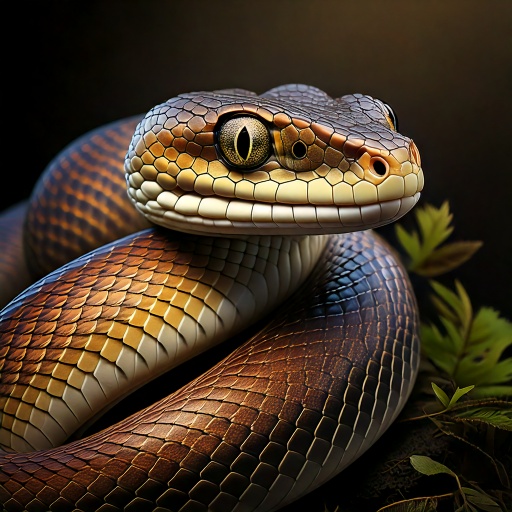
<point x="445" y="67"/>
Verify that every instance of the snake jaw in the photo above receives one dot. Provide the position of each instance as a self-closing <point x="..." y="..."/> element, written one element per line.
<point x="349" y="171"/>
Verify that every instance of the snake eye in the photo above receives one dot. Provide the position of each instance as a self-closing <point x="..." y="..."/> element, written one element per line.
<point x="244" y="142"/>
<point x="391" y="116"/>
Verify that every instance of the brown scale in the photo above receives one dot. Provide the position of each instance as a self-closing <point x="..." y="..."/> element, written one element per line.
<point x="86" y="177"/>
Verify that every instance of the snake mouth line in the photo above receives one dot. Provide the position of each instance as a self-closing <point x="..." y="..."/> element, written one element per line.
<point x="197" y="214"/>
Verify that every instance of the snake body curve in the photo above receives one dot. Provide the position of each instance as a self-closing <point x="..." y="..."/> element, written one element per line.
<point x="292" y="406"/>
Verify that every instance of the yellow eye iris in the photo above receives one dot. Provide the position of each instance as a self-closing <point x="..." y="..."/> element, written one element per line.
<point x="244" y="142"/>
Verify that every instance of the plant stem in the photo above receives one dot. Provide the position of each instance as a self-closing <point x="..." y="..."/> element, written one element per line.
<point x="436" y="497"/>
<point x="424" y="416"/>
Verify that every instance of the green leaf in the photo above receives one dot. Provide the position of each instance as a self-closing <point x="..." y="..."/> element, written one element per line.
<point x="455" y="337"/>
<point x="458" y="303"/>
<point x="435" y="345"/>
<point x="500" y="418"/>
<point x="484" y="402"/>
<point x="458" y="394"/>
<point x="489" y="337"/>
<point x="435" y="225"/>
<point x="489" y="324"/>
<point x="409" y="241"/>
<point x="427" y="504"/>
<point x="481" y="500"/>
<point x="468" y="348"/>
<point x="483" y="368"/>
<point x="466" y="316"/>
<point x="426" y="466"/>
<point x="447" y="258"/>
<point x="492" y="391"/>
<point x="441" y="395"/>
<point x="443" y="310"/>
<point x="425" y="258"/>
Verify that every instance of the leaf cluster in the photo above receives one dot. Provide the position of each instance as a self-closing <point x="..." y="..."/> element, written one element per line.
<point x="471" y="500"/>
<point x="468" y="351"/>
<point x="427" y="254"/>
<point x="468" y="348"/>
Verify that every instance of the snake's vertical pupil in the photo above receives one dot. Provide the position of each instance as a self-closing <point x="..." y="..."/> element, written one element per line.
<point x="244" y="142"/>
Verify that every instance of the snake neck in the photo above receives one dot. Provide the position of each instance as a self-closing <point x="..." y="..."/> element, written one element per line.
<point x="190" y="294"/>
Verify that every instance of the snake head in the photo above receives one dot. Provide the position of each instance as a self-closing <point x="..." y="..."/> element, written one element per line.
<point x="291" y="161"/>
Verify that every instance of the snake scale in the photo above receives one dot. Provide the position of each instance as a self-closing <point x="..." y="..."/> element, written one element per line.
<point x="250" y="210"/>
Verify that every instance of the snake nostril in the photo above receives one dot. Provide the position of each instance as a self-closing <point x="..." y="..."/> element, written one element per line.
<point x="299" y="149"/>
<point x="379" y="166"/>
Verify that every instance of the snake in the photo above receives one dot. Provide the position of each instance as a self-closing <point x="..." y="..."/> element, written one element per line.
<point x="221" y="218"/>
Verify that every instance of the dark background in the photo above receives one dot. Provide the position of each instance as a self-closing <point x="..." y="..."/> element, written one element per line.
<point x="445" y="67"/>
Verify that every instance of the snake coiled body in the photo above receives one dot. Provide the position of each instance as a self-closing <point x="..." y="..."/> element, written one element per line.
<point x="291" y="407"/>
